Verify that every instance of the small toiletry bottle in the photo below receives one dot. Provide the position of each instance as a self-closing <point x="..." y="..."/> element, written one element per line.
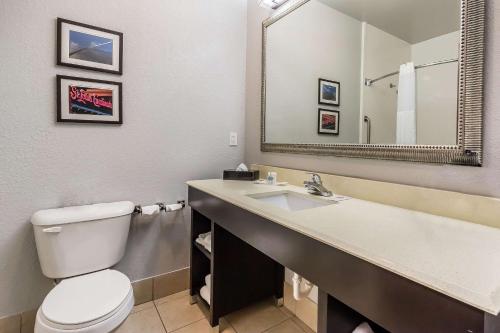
<point x="271" y="178"/>
<point x="275" y="177"/>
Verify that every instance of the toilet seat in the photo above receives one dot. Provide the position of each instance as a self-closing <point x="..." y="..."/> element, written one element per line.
<point x="90" y="303"/>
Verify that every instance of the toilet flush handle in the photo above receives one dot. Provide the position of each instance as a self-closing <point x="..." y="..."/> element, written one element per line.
<point x="53" y="230"/>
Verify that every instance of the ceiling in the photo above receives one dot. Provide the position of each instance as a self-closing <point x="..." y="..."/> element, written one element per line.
<point x="411" y="20"/>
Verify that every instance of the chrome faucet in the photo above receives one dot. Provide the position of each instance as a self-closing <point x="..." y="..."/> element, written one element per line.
<point x="315" y="186"/>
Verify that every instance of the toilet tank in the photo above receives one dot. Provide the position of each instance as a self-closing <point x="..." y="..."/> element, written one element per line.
<point x="83" y="239"/>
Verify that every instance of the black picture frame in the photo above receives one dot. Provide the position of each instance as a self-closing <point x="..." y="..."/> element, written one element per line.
<point x="62" y="119"/>
<point x="323" y="131"/>
<point x="325" y="101"/>
<point x="60" y="50"/>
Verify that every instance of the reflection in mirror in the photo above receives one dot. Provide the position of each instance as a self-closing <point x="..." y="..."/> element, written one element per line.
<point x="364" y="71"/>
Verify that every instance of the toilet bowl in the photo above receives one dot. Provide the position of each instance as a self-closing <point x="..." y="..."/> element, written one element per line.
<point x="77" y="246"/>
<point x="91" y="303"/>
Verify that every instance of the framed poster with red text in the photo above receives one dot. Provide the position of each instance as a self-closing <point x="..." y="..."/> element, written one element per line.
<point x="82" y="100"/>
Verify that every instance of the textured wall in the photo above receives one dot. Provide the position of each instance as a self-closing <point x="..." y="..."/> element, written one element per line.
<point x="184" y="87"/>
<point x="484" y="181"/>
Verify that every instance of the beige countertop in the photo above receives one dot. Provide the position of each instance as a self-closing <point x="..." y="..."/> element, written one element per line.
<point x="457" y="258"/>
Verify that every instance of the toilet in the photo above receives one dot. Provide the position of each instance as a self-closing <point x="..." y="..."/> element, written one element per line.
<point x="76" y="247"/>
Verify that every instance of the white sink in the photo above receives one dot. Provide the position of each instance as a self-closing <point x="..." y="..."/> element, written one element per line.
<point x="291" y="201"/>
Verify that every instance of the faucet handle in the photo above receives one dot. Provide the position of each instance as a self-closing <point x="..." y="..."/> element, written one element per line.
<point x="315" y="177"/>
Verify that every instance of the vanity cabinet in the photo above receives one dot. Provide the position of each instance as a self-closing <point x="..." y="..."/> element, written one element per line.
<point x="247" y="264"/>
<point x="240" y="274"/>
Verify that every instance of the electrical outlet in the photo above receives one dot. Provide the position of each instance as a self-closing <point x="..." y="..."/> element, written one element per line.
<point x="233" y="139"/>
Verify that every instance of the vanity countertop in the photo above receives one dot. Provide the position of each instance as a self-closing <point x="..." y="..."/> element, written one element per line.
<point x="457" y="258"/>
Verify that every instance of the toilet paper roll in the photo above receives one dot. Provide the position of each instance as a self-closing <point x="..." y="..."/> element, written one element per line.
<point x="174" y="207"/>
<point x="151" y="210"/>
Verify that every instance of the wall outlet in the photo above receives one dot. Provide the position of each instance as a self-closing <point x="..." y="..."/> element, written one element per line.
<point x="233" y="139"/>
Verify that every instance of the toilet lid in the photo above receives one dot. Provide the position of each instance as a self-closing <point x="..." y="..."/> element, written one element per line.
<point x="86" y="298"/>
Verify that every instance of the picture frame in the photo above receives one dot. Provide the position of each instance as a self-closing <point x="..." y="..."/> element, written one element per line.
<point x="328" y="92"/>
<point x="85" y="46"/>
<point x="328" y="122"/>
<point x="83" y="100"/>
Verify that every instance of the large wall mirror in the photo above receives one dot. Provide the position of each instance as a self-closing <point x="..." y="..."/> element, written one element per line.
<point x="386" y="79"/>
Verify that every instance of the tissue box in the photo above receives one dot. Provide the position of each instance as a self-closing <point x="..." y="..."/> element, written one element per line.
<point x="240" y="175"/>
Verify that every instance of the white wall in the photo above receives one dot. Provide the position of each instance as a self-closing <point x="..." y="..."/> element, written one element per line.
<point x="437" y="90"/>
<point x="184" y="86"/>
<point x="482" y="181"/>
<point x="311" y="43"/>
<point x="383" y="54"/>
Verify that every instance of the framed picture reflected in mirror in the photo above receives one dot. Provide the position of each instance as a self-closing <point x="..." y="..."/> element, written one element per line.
<point x="328" y="122"/>
<point x="329" y="92"/>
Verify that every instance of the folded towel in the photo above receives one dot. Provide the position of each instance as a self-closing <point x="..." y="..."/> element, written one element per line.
<point x="207" y="281"/>
<point x="208" y="244"/>
<point x="205" y="294"/>
<point x="205" y="240"/>
<point x="200" y="241"/>
<point x="205" y="235"/>
<point x="363" y="328"/>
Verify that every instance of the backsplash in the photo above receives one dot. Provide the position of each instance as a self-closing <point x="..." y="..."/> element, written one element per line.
<point x="472" y="208"/>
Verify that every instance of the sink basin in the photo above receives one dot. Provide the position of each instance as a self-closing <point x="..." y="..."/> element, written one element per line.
<point x="291" y="201"/>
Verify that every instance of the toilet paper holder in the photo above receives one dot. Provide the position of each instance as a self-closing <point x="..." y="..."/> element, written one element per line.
<point x="162" y="205"/>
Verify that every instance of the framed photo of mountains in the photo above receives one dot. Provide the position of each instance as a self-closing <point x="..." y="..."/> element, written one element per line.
<point x="84" y="46"/>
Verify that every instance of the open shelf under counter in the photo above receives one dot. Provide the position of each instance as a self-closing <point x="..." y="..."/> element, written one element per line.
<point x="203" y="250"/>
<point x="240" y="275"/>
<point x="203" y="305"/>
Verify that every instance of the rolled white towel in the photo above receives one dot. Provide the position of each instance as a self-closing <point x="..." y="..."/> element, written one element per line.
<point x="205" y="294"/>
<point x="207" y="281"/>
<point x="363" y="328"/>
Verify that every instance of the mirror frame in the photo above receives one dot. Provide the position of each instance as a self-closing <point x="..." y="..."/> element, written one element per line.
<point x="468" y="150"/>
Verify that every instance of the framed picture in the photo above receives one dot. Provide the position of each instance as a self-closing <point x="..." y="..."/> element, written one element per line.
<point x="328" y="122"/>
<point x="329" y="92"/>
<point x="83" y="100"/>
<point x="84" y="46"/>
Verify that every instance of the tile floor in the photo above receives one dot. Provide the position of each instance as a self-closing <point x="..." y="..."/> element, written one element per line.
<point x="175" y="314"/>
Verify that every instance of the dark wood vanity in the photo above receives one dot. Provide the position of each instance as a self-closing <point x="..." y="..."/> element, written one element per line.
<point x="240" y="274"/>
<point x="247" y="263"/>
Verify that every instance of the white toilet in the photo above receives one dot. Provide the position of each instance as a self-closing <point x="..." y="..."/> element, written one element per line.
<point x="79" y="245"/>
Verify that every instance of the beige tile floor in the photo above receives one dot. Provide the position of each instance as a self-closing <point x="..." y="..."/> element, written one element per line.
<point x="175" y="314"/>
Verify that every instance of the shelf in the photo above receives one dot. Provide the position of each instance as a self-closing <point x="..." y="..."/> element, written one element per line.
<point x="203" y="305"/>
<point x="203" y="250"/>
